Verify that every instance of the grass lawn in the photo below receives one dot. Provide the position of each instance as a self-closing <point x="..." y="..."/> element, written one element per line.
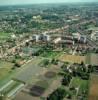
<point x="4" y="36"/>
<point x="90" y="26"/>
<point x="5" y="72"/>
<point x="50" y="54"/>
<point x="79" y="83"/>
<point x="93" y="28"/>
<point x="11" y="87"/>
<point x="5" y="68"/>
<point x="42" y="83"/>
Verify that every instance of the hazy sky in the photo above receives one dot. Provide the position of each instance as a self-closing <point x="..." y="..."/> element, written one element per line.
<point x="8" y="2"/>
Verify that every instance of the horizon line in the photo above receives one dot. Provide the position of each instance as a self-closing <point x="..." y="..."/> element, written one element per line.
<point x="82" y="2"/>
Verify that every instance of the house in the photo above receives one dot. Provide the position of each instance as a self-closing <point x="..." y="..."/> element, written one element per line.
<point x="41" y="37"/>
<point x="13" y="36"/>
<point x="57" y="40"/>
<point x="64" y="40"/>
<point x="76" y="36"/>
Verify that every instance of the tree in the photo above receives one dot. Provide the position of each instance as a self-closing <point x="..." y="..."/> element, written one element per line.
<point x="90" y="68"/>
<point x="58" y="94"/>
<point x="54" y="61"/>
<point x="45" y="62"/>
<point x="2" y="96"/>
<point x="66" y="79"/>
<point x="17" y="65"/>
<point x="85" y="76"/>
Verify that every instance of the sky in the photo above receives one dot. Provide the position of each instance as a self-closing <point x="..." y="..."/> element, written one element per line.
<point x="13" y="2"/>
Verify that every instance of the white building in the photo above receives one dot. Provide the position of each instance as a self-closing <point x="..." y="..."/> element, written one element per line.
<point x="76" y="35"/>
<point x="79" y="37"/>
<point x="57" y="40"/>
<point x="13" y="36"/>
<point x="46" y="38"/>
<point x="94" y="36"/>
<point x="36" y="37"/>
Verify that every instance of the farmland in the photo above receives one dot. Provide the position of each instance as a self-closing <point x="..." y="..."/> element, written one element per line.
<point x="93" y="92"/>
<point x="72" y="58"/>
<point x="41" y="84"/>
<point x="92" y="59"/>
<point x="10" y="86"/>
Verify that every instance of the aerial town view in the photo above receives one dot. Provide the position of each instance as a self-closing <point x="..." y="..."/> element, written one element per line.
<point x="48" y="50"/>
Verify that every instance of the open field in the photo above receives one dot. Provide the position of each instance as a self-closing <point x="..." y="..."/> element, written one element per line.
<point x="53" y="86"/>
<point x="4" y="36"/>
<point x="10" y="87"/>
<point x="25" y="96"/>
<point x="92" y="59"/>
<point x="79" y="83"/>
<point x="29" y="72"/>
<point x="46" y="83"/>
<point x="93" y="28"/>
<point x="5" y="71"/>
<point x="51" y="54"/>
<point x="93" y="92"/>
<point x="72" y="58"/>
<point x="24" y="74"/>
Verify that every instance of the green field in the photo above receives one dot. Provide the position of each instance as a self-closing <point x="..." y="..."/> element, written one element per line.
<point x="88" y="58"/>
<point x="11" y="87"/>
<point x="92" y="59"/>
<point x="50" y="54"/>
<point x="5" y="72"/>
<point x="5" y="69"/>
<point x="4" y="36"/>
<point x="82" y="85"/>
<point x="93" y="28"/>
